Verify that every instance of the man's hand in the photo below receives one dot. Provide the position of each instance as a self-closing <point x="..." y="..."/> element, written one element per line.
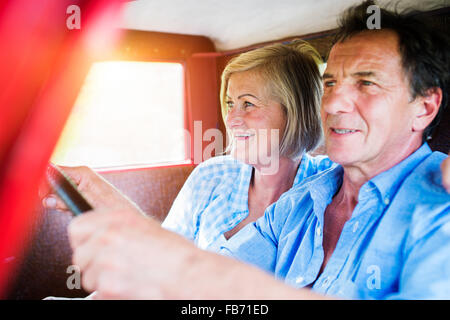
<point x="123" y="255"/>
<point x="97" y="191"/>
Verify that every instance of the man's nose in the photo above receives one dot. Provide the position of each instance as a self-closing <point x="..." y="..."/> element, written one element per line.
<point x="339" y="99"/>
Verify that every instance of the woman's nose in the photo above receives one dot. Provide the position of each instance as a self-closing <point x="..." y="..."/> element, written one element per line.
<point x="235" y="118"/>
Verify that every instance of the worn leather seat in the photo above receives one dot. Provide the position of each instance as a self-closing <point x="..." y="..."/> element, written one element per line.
<point x="44" y="269"/>
<point x="154" y="189"/>
<point x="440" y="140"/>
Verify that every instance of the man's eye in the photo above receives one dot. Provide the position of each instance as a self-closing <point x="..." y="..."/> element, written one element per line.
<point x="229" y="104"/>
<point x="367" y="83"/>
<point x="248" y="104"/>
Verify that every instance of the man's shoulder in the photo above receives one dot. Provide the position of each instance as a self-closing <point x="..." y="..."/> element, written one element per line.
<point x="428" y="203"/>
<point x="426" y="179"/>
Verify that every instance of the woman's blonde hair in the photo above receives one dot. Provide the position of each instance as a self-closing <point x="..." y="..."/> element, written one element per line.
<point x="292" y="74"/>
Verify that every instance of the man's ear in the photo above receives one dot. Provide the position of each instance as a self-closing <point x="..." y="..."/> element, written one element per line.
<point x="427" y="108"/>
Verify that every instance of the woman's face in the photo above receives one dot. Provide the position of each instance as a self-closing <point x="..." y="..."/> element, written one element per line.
<point x="255" y="121"/>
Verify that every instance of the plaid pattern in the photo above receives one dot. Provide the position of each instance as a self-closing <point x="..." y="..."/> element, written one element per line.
<point x="214" y="198"/>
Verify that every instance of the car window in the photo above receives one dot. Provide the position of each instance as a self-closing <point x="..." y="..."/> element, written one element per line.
<point x="126" y="114"/>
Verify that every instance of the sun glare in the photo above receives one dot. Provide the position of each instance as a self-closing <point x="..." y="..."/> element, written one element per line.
<point x="127" y="113"/>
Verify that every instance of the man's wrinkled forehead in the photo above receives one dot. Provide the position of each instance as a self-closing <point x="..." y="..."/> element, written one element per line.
<point x="377" y="50"/>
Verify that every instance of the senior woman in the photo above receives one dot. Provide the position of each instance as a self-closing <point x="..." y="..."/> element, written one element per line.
<point x="270" y="100"/>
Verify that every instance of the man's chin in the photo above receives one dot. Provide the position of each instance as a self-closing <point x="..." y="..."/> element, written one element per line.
<point x="343" y="156"/>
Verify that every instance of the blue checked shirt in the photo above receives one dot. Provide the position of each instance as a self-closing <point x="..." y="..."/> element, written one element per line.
<point x="396" y="245"/>
<point x="214" y="198"/>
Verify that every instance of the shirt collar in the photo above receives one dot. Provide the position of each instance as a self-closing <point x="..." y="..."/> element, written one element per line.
<point x="239" y="192"/>
<point x="389" y="181"/>
<point x="322" y="188"/>
<point x="301" y="170"/>
<point x="326" y="184"/>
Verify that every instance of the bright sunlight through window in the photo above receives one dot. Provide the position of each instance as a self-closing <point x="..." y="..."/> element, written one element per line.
<point x="127" y="113"/>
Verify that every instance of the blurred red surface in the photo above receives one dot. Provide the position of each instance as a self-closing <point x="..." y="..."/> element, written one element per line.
<point x="43" y="64"/>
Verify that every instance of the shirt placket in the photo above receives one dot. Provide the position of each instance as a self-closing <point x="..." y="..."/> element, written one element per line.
<point x="362" y="215"/>
<point x="318" y="253"/>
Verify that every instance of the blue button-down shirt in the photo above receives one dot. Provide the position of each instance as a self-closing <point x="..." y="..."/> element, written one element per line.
<point x="395" y="245"/>
<point x="214" y="198"/>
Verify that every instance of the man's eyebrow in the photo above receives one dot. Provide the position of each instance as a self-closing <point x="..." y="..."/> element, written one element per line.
<point x="355" y="74"/>
<point x="364" y="74"/>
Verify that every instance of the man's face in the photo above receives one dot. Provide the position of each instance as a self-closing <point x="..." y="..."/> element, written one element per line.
<point x="366" y="111"/>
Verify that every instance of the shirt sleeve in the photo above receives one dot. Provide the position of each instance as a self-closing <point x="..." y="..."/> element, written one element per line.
<point x="426" y="272"/>
<point x="181" y="217"/>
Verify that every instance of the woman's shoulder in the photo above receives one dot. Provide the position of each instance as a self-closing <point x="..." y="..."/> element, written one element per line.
<point x="220" y="164"/>
<point x="217" y="169"/>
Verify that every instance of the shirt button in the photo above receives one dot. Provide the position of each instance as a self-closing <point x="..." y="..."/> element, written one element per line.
<point x="386" y="201"/>
<point x="355" y="226"/>
<point x="326" y="281"/>
<point x="299" y="280"/>
<point x="318" y="231"/>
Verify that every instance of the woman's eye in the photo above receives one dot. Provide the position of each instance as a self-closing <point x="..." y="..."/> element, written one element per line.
<point x="329" y="83"/>
<point x="248" y="104"/>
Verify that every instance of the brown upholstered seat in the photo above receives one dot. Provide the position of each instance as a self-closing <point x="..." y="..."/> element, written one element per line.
<point x="44" y="270"/>
<point x="153" y="189"/>
<point x="441" y="137"/>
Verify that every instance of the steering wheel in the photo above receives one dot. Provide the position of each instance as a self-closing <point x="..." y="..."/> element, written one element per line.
<point x="66" y="189"/>
<point x="43" y="270"/>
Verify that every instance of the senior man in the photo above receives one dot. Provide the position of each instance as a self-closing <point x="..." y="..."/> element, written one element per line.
<point x="375" y="226"/>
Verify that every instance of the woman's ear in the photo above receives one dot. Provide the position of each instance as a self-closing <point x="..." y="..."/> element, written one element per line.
<point x="427" y="108"/>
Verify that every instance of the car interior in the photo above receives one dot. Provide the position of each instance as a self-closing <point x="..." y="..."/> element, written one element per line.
<point x="195" y="40"/>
